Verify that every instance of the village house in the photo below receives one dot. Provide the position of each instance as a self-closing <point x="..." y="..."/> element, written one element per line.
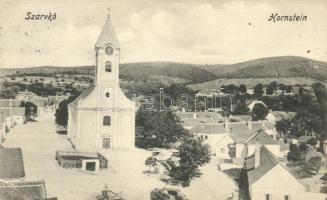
<point x="216" y="136"/>
<point x="6" y="117"/>
<point x="262" y="167"/>
<point x="253" y="103"/>
<point x="102" y="116"/>
<point x="246" y="141"/>
<point x="275" y="116"/>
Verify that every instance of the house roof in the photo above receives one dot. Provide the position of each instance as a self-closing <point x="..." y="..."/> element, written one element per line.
<point x="237" y="127"/>
<point x="209" y="128"/>
<point x="4" y="113"/>
<point x="190" y="122"/>
<point x="304" y="139"/>
<point x="253" y="103"/>
<point x="23" y="190"/>
<point x="279" y="115"/>
<point x="241" y="117"/>
<point x="240" y="137"/>
<point x="11" y="163"/>
<point x="251" y="137"/>
<point x="83" y="95"/>
<point x="10" y="103"/>
<point x="261" y="137"/>
<point x="20" y="111"/>
<point x="107" y="35"/>
<point x="208" y="115"/>
<point x="256" y="125"/>
<point x="267" y="162"/>
<point x="184" y="115"/>
<point x="269" y="125"/>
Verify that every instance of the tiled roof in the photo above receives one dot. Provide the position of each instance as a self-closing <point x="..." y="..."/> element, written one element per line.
<point x="267" y="162"/>
<point x="22" y="190"/>
<point x="11" y="163"/>
<point x="211" y="128"/>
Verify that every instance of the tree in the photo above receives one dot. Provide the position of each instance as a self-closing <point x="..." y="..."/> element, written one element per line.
<point x="151" y="162"/>
<point x="62" y="111"/>
<point x="30" y="110"/>
<point x="243" y="89"/>
<point x="8" y="93"/>
<point x="259" y="112"/>
<point x="241" y="109"/>
<point x="270" y="90"/>
<point x="158" y="129"/>
<point x="192" y="153"/>
<point x="258" y="91"/>
<point x="283" y="127"/>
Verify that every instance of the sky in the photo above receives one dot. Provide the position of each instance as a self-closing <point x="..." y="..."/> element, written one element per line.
<point x="188" y="31"/>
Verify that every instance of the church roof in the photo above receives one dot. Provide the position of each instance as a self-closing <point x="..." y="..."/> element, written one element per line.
<point x="107" y="35"/>
<point x="83" y="95"/>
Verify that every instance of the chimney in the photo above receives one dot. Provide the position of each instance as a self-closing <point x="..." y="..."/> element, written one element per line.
<point x="194" y="115"/>
<point x="257" y="155"/>
<point x="227" y="124"/>
<point x="250" y="124"/>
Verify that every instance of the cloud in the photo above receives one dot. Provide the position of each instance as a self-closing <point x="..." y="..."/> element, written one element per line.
<point x="183" y="31"/>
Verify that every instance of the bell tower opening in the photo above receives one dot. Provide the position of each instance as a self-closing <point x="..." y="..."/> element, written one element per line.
<point x="108" y="66"/>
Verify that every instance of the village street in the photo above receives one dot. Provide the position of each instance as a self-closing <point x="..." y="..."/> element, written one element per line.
<point x="39" y="142"/>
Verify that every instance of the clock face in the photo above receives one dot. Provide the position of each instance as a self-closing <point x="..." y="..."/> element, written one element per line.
<point x="109" y="50"/>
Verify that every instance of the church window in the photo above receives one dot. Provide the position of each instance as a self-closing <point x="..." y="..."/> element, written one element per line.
<point x="106" y="121"/>
<point x="287" y="197"/>
<point x="108" y="66"/>
<point x="107" y="94"/>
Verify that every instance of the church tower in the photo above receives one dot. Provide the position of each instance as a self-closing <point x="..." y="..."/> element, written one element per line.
<point x="107" y="56"/>
<point x="102" y="116"/>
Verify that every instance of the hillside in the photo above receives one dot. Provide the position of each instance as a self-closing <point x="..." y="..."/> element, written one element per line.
<point x="286" y="66"/>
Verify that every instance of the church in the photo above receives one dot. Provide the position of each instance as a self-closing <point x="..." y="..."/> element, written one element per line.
<point x="102" y="117"/>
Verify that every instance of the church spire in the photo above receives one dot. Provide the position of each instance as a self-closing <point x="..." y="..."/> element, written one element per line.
<point x="107" y="35"/>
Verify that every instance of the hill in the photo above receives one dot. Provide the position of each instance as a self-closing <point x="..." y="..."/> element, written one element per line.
<point x="130" y="71"/>
<point x="283" y="66"/>
<point x="272" y="67"/>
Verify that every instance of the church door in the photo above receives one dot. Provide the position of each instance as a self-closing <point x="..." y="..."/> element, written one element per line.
<point x="106" y="143"/>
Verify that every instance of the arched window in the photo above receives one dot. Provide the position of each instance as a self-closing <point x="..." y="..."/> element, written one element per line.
<point x="106" y="121"/>
<point x="108" y="66"/>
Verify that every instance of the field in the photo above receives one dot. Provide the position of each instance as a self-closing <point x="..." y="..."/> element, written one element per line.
<point x="250" y="82"/>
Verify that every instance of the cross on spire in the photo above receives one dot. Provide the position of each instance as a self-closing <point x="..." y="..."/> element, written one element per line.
<point x="109" y="10"/>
